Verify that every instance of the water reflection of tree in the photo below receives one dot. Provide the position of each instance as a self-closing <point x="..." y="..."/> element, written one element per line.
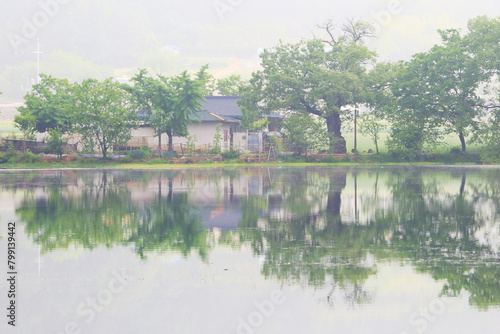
<point x="102" y="212"/>
<point x="170" y="223"/>
<point x="294" y="223"/>
<point x="437" y="231"/>
<point x="307" y="242"/>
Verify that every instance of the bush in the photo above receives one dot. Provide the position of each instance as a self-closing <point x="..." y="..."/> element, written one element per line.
<point x="456" y="150"/>
<point x="215" y="150"/>
<point x="231" y="154"/>
<point x="329" y="160"/>
<point x="55" y="142"/>
<point x="291" y="158"/>
<point x="30" y="157"/>
<point x="169" y="154"/>
<point x="139" y="154"/>
<point x="127" y="159"/>
<point x="15" y="159"/>
<point x="491" y="154"/>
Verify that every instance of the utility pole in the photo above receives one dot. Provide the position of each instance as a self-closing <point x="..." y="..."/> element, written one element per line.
<point x="355" y="129"/>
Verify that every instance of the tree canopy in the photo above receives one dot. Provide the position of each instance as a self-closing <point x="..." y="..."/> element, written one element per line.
<point x="104" y="114"/>
<point x="47" y="106"/>
<point x="169" y="102"/>
<point x="318" y="77"/>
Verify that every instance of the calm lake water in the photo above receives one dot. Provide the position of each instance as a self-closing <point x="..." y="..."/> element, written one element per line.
<point x="254" y="250"/>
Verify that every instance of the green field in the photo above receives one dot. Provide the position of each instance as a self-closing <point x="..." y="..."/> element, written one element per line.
<point x="364" y="143"/>
<point x="7" y="127"/>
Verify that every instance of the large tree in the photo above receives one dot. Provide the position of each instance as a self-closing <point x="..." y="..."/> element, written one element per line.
<point x="323" y="77"/>
<point x="47" y="106"/>
<point x="442" y="85"/>
<point x="169" y="102"/>
<point x="104" y="114"/>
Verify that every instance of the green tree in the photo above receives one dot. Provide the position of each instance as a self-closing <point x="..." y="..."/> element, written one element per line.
<point x="370" y="126"/>
<point x="169" y="102"/>
<point x="27" y="124"/>
<point x="50" y="104"/>
<point x="217" y="140"/>
<point x="104" y="114"/>
<point x="302" y="133"/>
<point x="55" y="142"/>
<point x="443" y="84"/>
<point x="229" y="86"/>
<point x="319" y="77"/>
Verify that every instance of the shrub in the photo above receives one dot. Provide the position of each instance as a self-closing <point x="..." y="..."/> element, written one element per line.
<point x="139" y="154"/>
<point x="491" y="154"/>
<point x="15" y="159"/>
<point x="55" y="142"/>
<point x="456" y="150"/>
<point x="215" y="150"/>
<point x="191" y="144"/>
<point x="127" y="159"/>
<point x="169" y="154"/>
<point x="231" y="154"/>
<point x="217" y="140"/>
<point x="291" y="158"/>
<point x="329" y="160"/>
<point x="30" y="157"/>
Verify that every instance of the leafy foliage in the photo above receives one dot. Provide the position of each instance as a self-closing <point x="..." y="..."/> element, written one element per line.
<point x="302" y="133"/>
<point x="55" y="142"/>
<point x="139" y="154"/>
<point x="104" y="114"/>
<point x="48" y="106"/>
<point x="169" y="102"/>
<point x="230" y="154"/>
<point x="370" y="125"/>
<point x="229" y="86"/>
<point x="217" y="140"/>
<point x="310" y="78"/>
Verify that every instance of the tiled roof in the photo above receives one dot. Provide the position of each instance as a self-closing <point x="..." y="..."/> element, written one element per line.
<point x="225" y="107"/>
<point x="222" y="105"/>
<point x="205" y="116"/>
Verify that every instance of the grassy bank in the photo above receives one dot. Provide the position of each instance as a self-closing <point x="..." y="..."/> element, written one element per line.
<point x="284" y="161"/>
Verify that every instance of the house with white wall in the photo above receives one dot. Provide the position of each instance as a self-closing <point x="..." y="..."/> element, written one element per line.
<point x="222" y="111"/>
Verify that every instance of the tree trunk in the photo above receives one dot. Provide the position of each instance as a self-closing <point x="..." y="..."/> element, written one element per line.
<point x="462" y="140"/>
<point x="159" y="145"/>
<point x="462" y="185"/>
<point x="337" y="142"/>
<point x="170" y="140"/>
<point x="337" y="184"/>
<point x="376" y="146"/>
<point x="170" y="195"/>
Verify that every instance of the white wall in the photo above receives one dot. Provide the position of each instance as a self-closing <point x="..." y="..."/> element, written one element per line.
<point x="204" y="133"/>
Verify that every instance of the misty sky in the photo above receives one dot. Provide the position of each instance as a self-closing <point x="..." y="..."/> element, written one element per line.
<point x="117" y="34"/>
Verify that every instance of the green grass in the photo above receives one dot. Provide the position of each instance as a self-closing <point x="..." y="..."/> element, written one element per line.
<point x="381" y="159"/>
<point x="7" y="127"/>
<point x="364" y="143"/>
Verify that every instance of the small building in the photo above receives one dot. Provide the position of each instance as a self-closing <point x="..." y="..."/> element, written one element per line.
<point x="222" y="111"/>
